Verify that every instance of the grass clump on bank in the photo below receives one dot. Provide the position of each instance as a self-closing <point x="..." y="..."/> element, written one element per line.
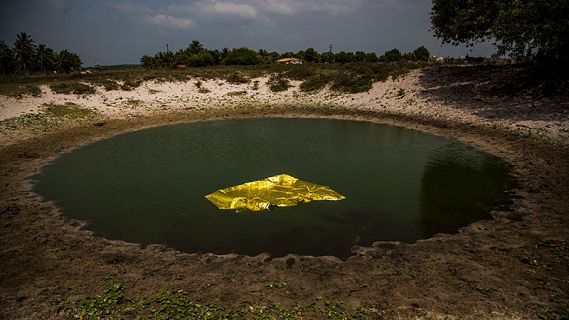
<point x="314" y="83"/>
<point x="51" y="116"/>
<point x="72" y="87"/>
<point x="237" y="78"/>
<point x="107" y="84"/>
<point x="68" y="110"/>
<point x="18" y="91"/>
<point x="278" y="83"/>
<point x="350" y="83"/>
<point x="178" y="305"/>
<point x="129" y="84"/>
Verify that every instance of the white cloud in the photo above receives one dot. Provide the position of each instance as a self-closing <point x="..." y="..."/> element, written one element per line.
<point x="252" y="9"/>
<point x="170" y="22"/>
<point x="240" y="10"/>
<point x="288" y="7"/>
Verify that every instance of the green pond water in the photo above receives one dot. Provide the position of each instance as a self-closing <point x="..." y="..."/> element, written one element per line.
<point x="149" y="186"/>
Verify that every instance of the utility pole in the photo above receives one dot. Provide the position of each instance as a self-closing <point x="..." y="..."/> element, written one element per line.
<point x="167" y="50"/>
<point x="330" y="48"/>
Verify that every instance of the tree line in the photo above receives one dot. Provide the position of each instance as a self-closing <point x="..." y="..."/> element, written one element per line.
<point x="195" y="55"/>
<point x="24" y="57"/>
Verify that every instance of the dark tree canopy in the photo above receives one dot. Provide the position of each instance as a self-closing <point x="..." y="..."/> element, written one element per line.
<point x="26" y="58"/>
<point x="196" y="55"/>
<point x="521" y="28"/>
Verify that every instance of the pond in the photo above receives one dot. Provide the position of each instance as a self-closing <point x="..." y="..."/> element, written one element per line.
<point x="149" y="186"/>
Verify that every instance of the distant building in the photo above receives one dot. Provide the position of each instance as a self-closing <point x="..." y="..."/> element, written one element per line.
<point x="290" y="61"/>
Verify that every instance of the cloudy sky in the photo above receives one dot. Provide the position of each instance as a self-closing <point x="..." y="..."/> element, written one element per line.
<point x="117" y="32"/>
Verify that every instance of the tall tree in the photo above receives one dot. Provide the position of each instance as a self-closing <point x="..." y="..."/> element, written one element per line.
<point x="520" y="28"/>
<point x="310" y="55"/>
<point x="392" y="55"/>
<point x="44" y="58"/>
<point x="68" y="61"/>
<point x="24" y="52"/>
<point x="6" y="58"/>
<point x="422" y="53"/>
<point x="242" y="56"/>
<point x="195" y="47"/>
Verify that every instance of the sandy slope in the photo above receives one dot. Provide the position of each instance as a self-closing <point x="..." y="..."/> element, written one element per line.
<point x="426" y="93"/>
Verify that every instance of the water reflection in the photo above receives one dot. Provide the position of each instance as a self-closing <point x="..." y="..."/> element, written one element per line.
<point x="455" y="189"/>
<point x="149" y="186"/>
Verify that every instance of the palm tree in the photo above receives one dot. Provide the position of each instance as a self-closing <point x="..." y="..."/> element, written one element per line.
<point x="24" y="52"/>
<point x="68" y="61"/>
<point x="44" y="58"/>
<point x="195" y="47"/>
<point x="6" y="58"/>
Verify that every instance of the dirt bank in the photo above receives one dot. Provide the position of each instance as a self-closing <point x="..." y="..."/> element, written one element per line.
<point x="507" y="267"/>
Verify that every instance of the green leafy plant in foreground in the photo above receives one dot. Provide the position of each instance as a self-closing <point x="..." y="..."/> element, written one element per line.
<point x="113" y="304"/>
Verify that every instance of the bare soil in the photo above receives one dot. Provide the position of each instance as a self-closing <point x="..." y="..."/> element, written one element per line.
<point x="502" y="268"/>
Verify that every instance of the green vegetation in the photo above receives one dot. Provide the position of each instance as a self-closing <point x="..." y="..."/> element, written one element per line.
<point x="278" y="83"/>
<point x="314" y="83"/>
<point x="195" y="55"/>
<point x="113" y="304"/>
<point x="352" y="83"/>
<point x="70" y="87"/>
<point x="533" y="29"/>
<point x="131" y="84"/>
<point x="51" y="115"/>
<point x="237" y="77"/>
<point x="68" y="110"/>
<point x="18" y="91"/>
<point x="107" y="84"/>
<point x="133" y="103"/>
<point x="315" y="75"/>
<point x="27" y="58"/>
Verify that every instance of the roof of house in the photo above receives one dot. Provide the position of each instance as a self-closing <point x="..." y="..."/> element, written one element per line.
<point x="289" y="59"/>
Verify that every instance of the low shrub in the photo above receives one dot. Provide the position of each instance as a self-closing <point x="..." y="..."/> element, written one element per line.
<point x="314" y="83"/>
<point x="237" y="78"/>
<point x="278" y="84"/>
<point x="107" y="84"/>
<point x="70" y="87"/>
<point x="352" y="83"/>
<point x="18" y="91"/>
<point x="68" y="110"/>
<point x="131" y="84"/>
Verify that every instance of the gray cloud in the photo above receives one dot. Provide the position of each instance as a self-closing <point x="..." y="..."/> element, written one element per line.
<point x="121" y="31"/>
<point x="170" y="22"/>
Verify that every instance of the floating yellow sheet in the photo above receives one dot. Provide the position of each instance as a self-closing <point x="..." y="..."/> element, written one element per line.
<point x="281" y="190"/>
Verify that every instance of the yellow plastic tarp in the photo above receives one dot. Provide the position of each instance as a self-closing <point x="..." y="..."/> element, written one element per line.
<point x="281" y="190"/>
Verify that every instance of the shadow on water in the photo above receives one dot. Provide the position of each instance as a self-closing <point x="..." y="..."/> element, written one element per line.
<point x="455" y="190"/>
